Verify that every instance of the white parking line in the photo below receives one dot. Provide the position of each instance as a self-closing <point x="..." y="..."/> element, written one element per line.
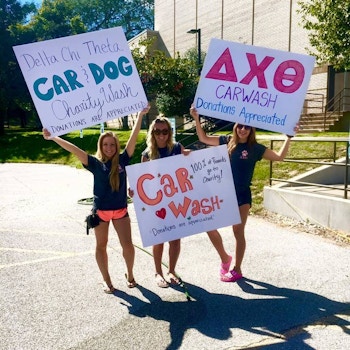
<point x="58" y="255"/>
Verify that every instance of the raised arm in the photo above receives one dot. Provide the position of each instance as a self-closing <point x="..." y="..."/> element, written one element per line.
<point x="202" y="136"/>
<point x="130" y="145"/>
<point x="272" y="155"/>
<point x="68" y="146"/>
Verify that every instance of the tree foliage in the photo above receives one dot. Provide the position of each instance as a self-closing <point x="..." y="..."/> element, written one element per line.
<point x="58" y="18"/>
<point x="12" y="86"/>
<point x="134" y="16"/>
<point x="328" y="23"/>
<point x="170" y="81"/>
<point x="24" y="23"/>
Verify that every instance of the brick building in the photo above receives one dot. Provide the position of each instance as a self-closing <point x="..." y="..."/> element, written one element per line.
<point x="266" y="23"/>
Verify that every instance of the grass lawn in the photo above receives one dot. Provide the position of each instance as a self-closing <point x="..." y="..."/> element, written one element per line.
<point x="21" y="146"/>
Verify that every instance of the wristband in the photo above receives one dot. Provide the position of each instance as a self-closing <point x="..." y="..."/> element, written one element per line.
<point x="290" y="136"/>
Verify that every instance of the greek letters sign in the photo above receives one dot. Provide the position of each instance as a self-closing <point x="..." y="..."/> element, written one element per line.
<point x="179" y="196"/>
<point x="81" y="80"/>
<point x="253" y="85"/>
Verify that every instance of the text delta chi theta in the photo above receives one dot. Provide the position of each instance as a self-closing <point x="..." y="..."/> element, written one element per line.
<point x="287" y="78"/>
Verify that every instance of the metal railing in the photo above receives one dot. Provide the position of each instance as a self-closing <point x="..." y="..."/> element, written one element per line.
<point x="319" y="160"/>
<point x="337" y="105"/>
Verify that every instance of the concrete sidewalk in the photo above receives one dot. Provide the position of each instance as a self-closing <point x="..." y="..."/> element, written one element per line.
<point x="295" y="294"/>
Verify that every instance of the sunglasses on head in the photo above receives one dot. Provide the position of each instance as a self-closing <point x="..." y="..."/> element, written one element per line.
<point x="246" y="127"/>
<point x="160" y="131"/>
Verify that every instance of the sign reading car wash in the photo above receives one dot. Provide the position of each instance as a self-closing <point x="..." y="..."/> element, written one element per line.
<point x="253" y="85"/>
<point x="179" y="196"/>
<point x="81" y="80"/>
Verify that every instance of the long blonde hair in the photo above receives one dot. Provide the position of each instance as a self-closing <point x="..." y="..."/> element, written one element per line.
<point x="234" y="140"/>
<point x="114" y="172"/>
<point x="151" y="142"/>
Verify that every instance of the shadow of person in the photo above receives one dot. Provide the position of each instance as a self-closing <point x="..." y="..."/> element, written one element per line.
<point x="176" y="313"/>
<point x="279" y="309"/>
<point x="268" y="311"/>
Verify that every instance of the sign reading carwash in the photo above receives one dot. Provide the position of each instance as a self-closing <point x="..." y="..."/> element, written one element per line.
<point x="81" y="80"/>
<point x="179" y="196"/>
<point x="253" y="85"/>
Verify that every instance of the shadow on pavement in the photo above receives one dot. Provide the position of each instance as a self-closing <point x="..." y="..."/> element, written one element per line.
<point x="276" y="312"/>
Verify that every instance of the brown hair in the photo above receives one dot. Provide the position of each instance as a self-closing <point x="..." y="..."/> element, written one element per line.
<point x="151" y="142"/>
<point x="234" y="139"/>
<point x="114" y="172"/>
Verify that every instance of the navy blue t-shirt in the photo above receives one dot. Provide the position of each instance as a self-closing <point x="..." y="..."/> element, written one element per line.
<point x="163" y="152"/>
<point x="243" y="160"/>
<point x="104" y="197"/>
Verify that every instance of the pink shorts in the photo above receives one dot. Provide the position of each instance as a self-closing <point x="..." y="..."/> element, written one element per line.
<point x="107" y="215"/>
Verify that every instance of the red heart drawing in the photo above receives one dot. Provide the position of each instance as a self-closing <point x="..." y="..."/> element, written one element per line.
<point x="161" y="213"/>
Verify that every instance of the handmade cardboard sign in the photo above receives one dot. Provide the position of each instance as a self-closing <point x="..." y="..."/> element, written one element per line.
<point x="81" y="80"/>
<point x="179" y="196"/>
<point x="253" y="85"/>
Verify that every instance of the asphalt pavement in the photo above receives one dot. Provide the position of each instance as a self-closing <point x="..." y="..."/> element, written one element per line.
<point x="295" y="293"/>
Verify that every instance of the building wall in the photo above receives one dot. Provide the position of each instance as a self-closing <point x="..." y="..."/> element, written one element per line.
<point x="267" y="23"/>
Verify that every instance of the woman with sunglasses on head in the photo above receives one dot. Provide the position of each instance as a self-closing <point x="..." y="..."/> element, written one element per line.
<point x="110" y="195"/>
<point x="160" y="144"/>
<point x="244" y="151"/>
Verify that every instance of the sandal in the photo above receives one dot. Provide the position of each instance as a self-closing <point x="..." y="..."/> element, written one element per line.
<point x="130" y="284"/>
<point x="161" y="282"/>
<point x="231" y="276"/>
<point x="174" y="279"/>
<point x="225" y="267"/>
<point x="108" y="289"/>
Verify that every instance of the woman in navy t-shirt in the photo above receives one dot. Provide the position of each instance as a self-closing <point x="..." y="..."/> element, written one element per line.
<point x="110" y="195"/>
<point x="244" y="152"/>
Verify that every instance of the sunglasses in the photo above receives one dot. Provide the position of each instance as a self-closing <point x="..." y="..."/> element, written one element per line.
<point x="160" y="131"/>
<point x="246" y="127"/>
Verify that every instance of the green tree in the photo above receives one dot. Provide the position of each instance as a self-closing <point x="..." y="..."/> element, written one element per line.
<point x="329" y="24"/>
<point x="58" y="18"/>
<point x="54" y="19"/>
<point x="133" y="15"/>
<point x="170" y="81"/>
<point x="12" y="85"/>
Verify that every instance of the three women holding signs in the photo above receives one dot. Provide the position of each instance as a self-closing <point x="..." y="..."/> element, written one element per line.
<point x="110" y="190"/>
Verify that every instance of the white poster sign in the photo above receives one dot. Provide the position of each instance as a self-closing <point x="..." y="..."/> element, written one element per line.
<point x="253" y="85"/>
<point x="179" y="196"/>
<point x="81" y="80"/>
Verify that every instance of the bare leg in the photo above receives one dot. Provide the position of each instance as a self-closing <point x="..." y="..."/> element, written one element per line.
<point x="123" y="228"/>
<point x="101" y="234"/>
<point x="216" y="240"/>
<point x="174" y="253"/>
<point x="238" y="231"/>
<point x="157" y="257"/>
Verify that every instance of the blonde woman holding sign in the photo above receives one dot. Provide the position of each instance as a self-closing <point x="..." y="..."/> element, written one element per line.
<point x="160" y="144"/>
<point x="110" y="195"/>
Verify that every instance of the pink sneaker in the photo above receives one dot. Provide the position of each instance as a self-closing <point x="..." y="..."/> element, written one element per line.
<point x="231" y="276"/>
<point x="226" y="266"/>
